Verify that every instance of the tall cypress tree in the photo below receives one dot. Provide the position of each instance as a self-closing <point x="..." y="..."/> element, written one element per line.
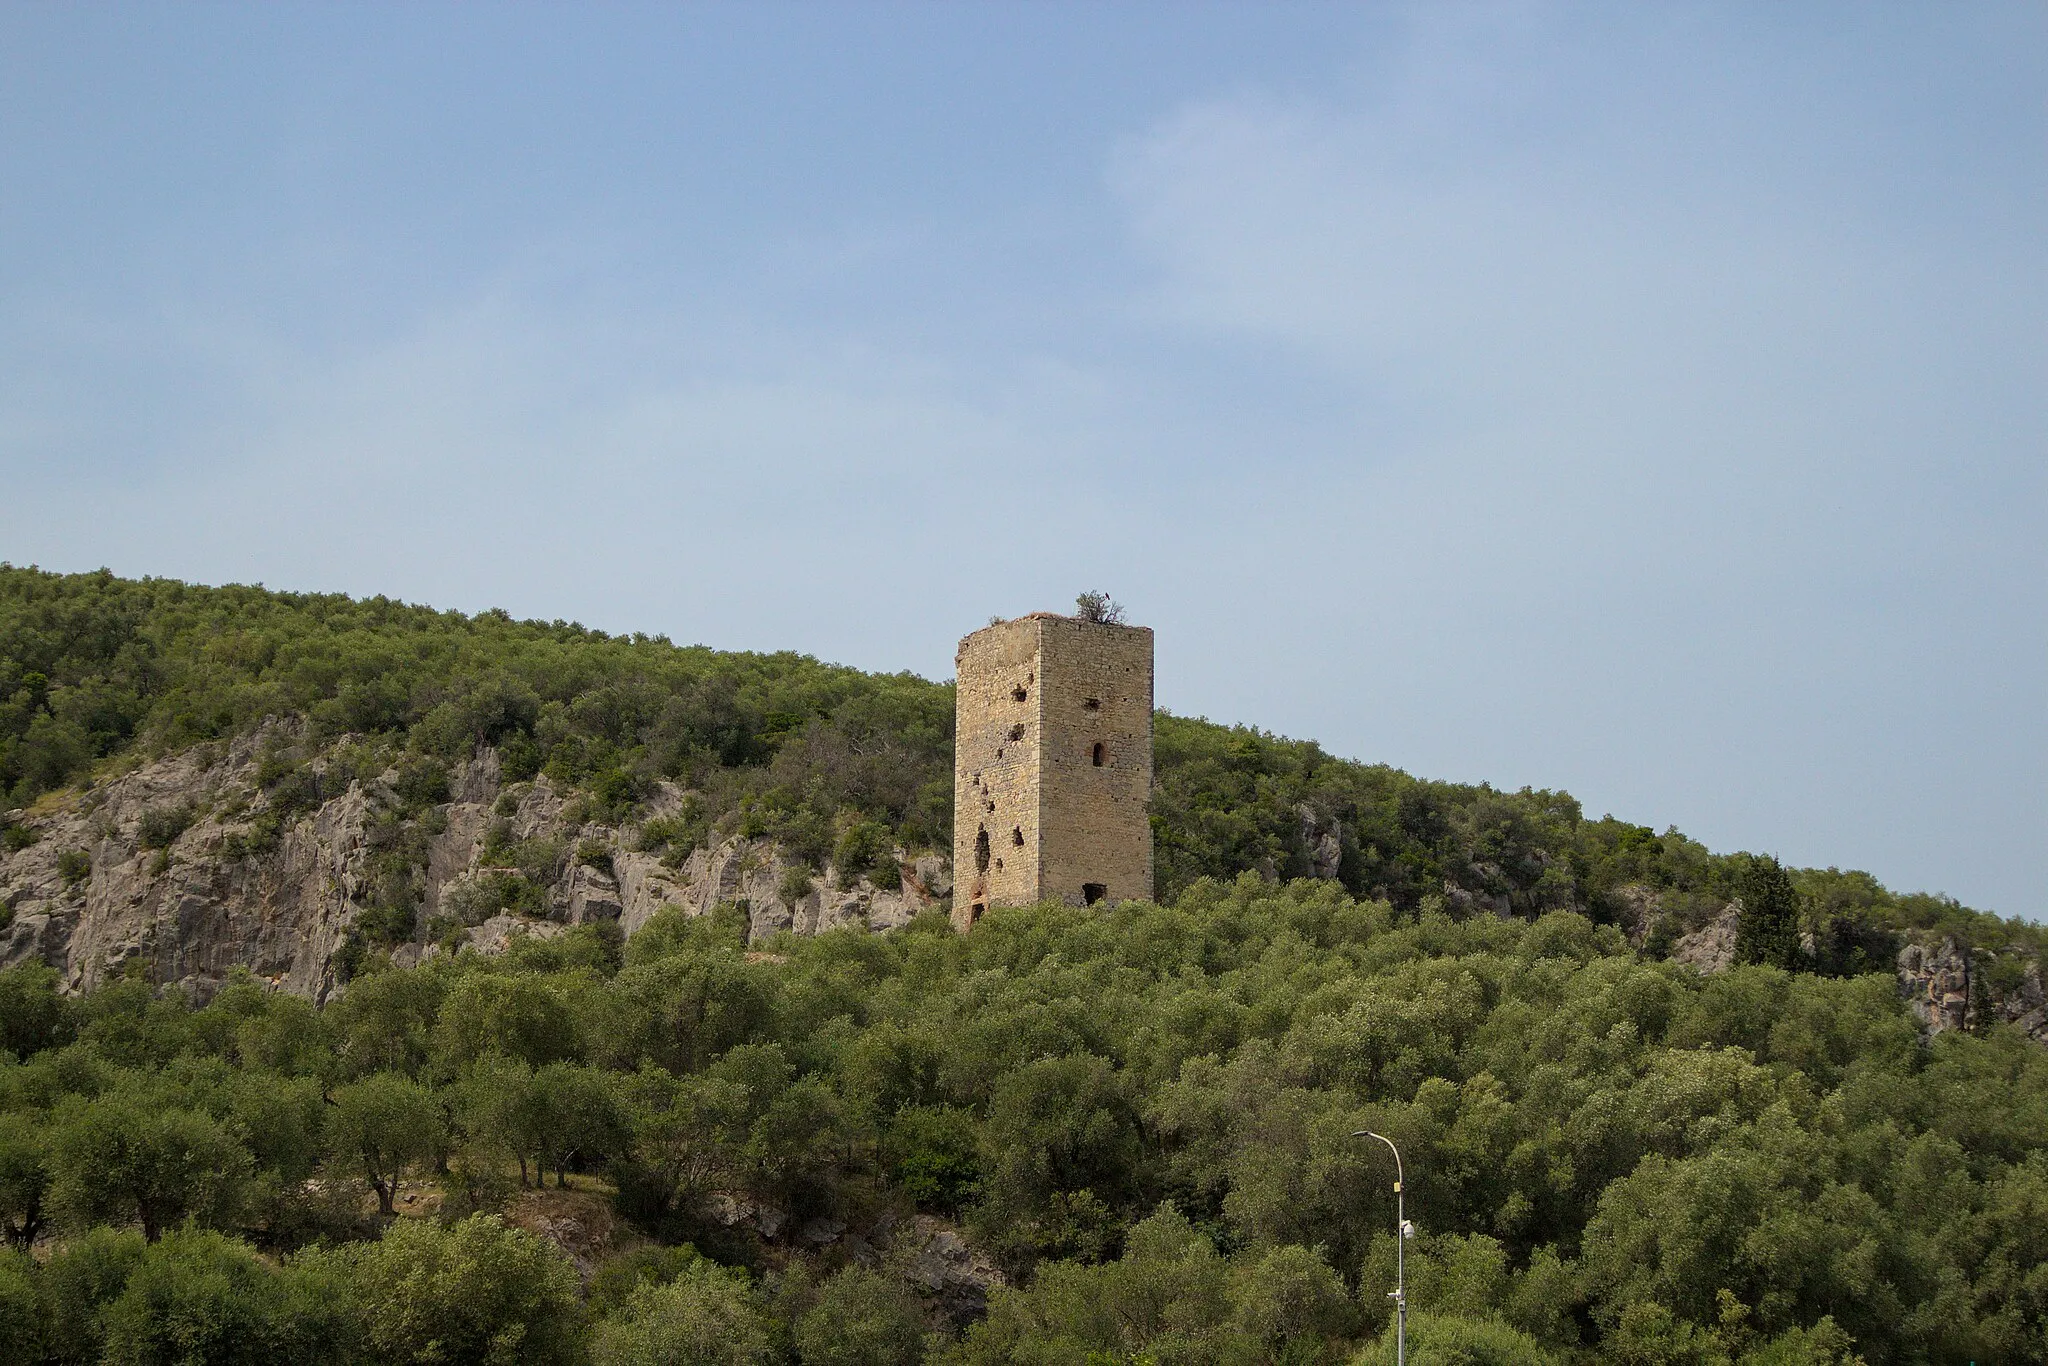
<point x="1983" y="1014"/>
<point x="1768" y="930"/>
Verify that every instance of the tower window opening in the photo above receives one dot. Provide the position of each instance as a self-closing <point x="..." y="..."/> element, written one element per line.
<point x="1019" y="693"/>
<point x="981" y="851"/>
<point x="1017" y="835"/>
<point x="1098" y="754"/>
<point x="1016" y="732"/>
<point x="1092" y="892"/>
<point x="976" y="913"/>
<point x="1092" y="704"/>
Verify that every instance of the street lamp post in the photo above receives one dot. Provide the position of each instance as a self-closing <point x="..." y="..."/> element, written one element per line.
<point x="1400" y="1295"/>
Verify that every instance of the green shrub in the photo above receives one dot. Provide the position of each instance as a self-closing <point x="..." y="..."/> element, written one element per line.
<point x="160" y="826"/>
<point x="477" y="899"/>
<point x="539" y="860"/>
<point x="264" y="834"/>
<point x="83" y="1276"/>
<point x="707" y="1316"/>
<point x="33" y="1016"/>
<point x="22" y="1333"/>
<point x="596" y="854"/>
<point x="201" y="1297"/>
<point x="933" y="1154"/>
<point x="1453" y="1341"/>
<point x="519" y="759"/>
<point x="613" y="795"/>
<point x="386" y="923"/>
<point x="475" y="1291"/>
<point x="863" y="847"/>
<point x="861" y="1318"/>
<point x="617" y="1279"/>
<point x="675" y="837"/>
<point x="421" y="781"/>
<point x="74" y="866"/>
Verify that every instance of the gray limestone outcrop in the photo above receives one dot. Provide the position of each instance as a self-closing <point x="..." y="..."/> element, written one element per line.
<point x="190" y="911"/>
<point x="1711" y="947"/>
<point x="170" y="867"/>
<point x="1944" y="984"/>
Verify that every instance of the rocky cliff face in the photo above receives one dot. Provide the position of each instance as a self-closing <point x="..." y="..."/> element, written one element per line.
<point x="1711" y="947"/>
<point x="1945" y="985"/>
<point x="163" y="867"/>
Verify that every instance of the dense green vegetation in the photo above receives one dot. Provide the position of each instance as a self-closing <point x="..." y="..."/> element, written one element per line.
<point x="97" y="670"/>
<point x="94" y="667"/>
<point x="1145" y="1115"/>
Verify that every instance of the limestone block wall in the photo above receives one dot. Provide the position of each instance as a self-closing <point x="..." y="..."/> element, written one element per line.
<point x="1053" y="764"/>
<point x="995" y="769"/>
<point x="1095" y="761"/>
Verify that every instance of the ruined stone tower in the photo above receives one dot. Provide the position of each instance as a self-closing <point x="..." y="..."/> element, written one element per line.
<point x="1052" y="765"/>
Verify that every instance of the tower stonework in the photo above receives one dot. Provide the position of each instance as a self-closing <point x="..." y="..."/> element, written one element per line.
<point x="1052" y="767"/>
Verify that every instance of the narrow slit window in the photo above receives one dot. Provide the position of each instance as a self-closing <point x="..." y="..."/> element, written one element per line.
<point x="981" y="851"/>
<point x="1017" y="835"/>
<point x="1098" y="754"/>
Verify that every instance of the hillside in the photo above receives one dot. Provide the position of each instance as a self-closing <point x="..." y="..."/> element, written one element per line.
<point x="532" y="1010"/>
<point x="199" y="778"/>
<point x="1066" y="1137"/>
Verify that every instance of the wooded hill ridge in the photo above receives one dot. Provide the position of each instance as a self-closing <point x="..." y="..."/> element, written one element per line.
<point x="832" y="764"/>
<point x="1070" y="1136"/>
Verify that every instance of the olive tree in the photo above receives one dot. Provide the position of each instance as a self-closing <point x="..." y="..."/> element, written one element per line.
<point x="383" y="1124"/>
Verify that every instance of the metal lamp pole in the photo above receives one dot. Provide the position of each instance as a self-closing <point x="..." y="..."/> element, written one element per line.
<point x="1400" y="1295"/>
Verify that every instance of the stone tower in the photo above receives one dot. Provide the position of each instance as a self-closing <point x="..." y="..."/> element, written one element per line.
<point x="1052" y="765"/>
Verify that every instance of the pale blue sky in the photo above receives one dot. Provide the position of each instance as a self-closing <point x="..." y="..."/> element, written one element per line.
<point x="1643" y="400"/>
